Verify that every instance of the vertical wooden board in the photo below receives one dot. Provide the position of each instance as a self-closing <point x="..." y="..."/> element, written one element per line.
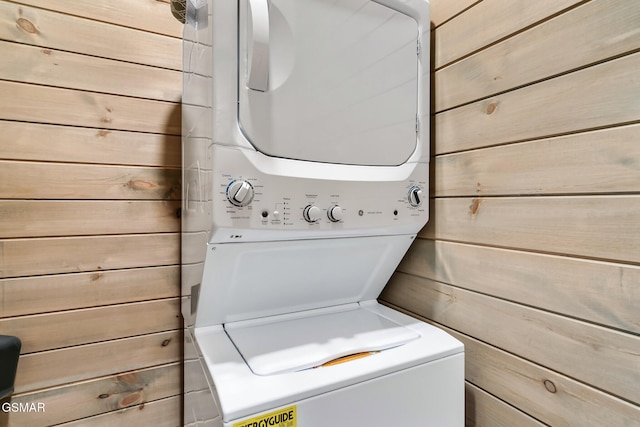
<point x="490" y="21"/>
<point x="44" y="28"/>
<point x="603" y="95"/>
<point x="33" y="218"/>
<point x="603" y="357"/>
<point x="599" y="292"/>
<point x="35" y="180"/>
<point x="51" y="368"/>
<point x="587" y="34"/>
<point x="41" y="104"/>
<point x="159" y="413"/>
<point x="484" y="410"/>
<point x="604" y="227"/>
<point x="443" y="10"/>
<point x="149" y="15"/>
<point x="32" y="257"/>
<point x="53" y="143"/>
<point x="41" y="294"/>
<point x="96" y="396"/>
<point x="604" y="161"/>
<point x="31" y="64"/>
<point x="49" y="331"/>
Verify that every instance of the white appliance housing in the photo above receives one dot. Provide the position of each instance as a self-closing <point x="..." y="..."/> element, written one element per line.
<point x="305" y="180"/>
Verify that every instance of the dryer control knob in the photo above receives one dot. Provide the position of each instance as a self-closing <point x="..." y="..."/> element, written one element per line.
<point x="415" y="196"/>
<point x="335" y="213"/>
<point x="240" y="192"/>
<point x="312" y="213"/>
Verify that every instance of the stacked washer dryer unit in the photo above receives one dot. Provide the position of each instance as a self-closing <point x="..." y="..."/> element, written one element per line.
<point x="306" y="126"/>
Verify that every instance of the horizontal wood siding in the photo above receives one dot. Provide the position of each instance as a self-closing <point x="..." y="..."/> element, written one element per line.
<point x="595" y="32"/>
<point x="532" y="254"/>
<point x="57" y="30"/>
<point x="68" y="144"/>
<point x="50" y="67"/>
<point x="89" y="196"/>
<point x="99" y="395"/>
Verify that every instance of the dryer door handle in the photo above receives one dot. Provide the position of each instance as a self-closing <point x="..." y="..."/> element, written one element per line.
<point x="259" y="45"/>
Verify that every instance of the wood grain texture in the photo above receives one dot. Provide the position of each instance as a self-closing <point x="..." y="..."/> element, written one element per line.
<point x="488" y="22"/>
<point x="35" y="218"/>
<point x="50" y="331"/>
<point x="602" y="227"/>
<point x="484" y="410"/>
<point x="50" y="105"/>
<point x="31" y="257"/>
<point x="599" y="292"/>
<point x="54" y="143"/>
<point x="90" y="158"/>
<point x="443" y="10"/>
<point x="41" y="294"/>
<point x="101" y="395"/>
<point x="591" y="33"/>
<point x="159" y="413"/>
<point x="549" y="396"/>
<point x="50" y="368"/>
<point x="603" y="95"/>
<point x="149" y="15"/>
<point x="588" y="353"/>
<point x="31" y="64"/>
<point x="49" y="29"/>
<point x="599" y="162"/>
<point x="35" y="180"/>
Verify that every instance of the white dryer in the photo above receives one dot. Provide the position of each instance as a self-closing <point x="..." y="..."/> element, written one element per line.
<point x="305" y="180"/>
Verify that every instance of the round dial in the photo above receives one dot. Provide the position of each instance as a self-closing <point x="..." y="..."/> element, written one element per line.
<point x="335" y="213"/>
<point x="239" y="192"/>
<point x="415" y="196"/>
<point x="312" y="213"/>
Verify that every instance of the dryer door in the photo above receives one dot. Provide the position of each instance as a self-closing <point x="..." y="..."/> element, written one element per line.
<point x="328" y="81"/>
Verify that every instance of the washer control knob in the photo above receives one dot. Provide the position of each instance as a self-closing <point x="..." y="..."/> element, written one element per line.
<point x="335" y="213"/>
<point x="312" y="213"/>
<point x="415" y="196"/>
<point x="239" y="192"/>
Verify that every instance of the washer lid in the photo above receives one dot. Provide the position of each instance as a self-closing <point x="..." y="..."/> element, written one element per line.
<point x="328" y="81"/>
<point x="294" y="343"/>
<point x="253" y="280"/>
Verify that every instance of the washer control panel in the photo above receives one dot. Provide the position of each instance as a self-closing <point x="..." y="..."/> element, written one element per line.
<point x="245" y="198"/>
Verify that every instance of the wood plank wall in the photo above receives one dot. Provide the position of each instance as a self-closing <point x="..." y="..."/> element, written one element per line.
<point x="532" y="254"/>
<point x="90" y="96"/>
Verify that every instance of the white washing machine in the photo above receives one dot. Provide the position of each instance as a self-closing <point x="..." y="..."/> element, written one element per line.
<point x="305" y="180"/>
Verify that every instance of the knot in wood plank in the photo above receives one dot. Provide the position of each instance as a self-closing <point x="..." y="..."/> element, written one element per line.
<point x="27" y="26"/>
<point x="475" y="206"/>
<point x="139" y="184"/>
<point x="491" y="108"/>
<point x="131" y="399"/>
<point x="550" y="386"/>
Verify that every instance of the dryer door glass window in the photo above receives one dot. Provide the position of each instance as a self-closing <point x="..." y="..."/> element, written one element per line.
<point x="331" y="81"/>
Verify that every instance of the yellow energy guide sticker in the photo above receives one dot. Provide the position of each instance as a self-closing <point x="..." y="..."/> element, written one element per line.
<point x="285" y="417"/>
